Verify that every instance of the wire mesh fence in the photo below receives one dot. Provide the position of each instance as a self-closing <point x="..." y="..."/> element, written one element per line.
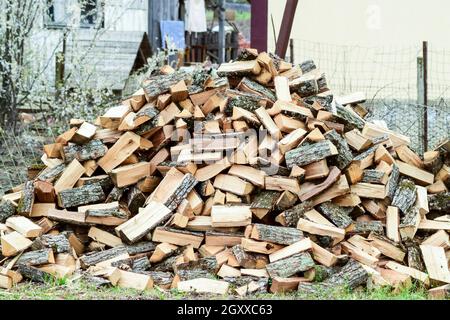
<point x="389" y="78"/>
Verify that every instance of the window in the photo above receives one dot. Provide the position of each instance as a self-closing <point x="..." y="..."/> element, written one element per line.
<point x="56" y="14"/>
<point x="91" y="14"/>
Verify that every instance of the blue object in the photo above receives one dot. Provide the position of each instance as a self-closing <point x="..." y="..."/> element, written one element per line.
<point x="173" y="31"/>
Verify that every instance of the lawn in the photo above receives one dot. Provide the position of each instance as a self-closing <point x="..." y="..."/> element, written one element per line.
<point x="80" y="290"/>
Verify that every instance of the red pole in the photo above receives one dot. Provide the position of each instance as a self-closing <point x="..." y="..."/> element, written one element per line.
<point x="286" y="27"/>
<point x="258" y="38"/>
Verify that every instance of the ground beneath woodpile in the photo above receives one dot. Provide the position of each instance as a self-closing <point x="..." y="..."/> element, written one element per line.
<point x="84" y="291"/>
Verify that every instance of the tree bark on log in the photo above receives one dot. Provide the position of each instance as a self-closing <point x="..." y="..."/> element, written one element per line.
<point x="245" y="259"/>
<point x="140" y="247"/>
<point x="59" y="243"/>
<point x="291" y="265"/>
<point x="405" y="195"/>
<point x="439" y="202"/>
<point x="7" y="209"/>
<point x="265" y="199"/>
<point x="140" y="264"/>
<point x="50" y="174"/>
<point x="247" y="102"/>
<point x="208" y="264"/>
<point x="38" y="257"/>
<point x="276" y="234"/>
<point x="86" y="194"/>
<point x="26" y="201"/>
<point x="391" y="186"/>
<point x="115" y="195"/>
<point x="93" y="258"/>
<point x="34" y="274"/>
<point x="365" y="227"/>
<point x="415" y="257"/>
<point x="291" y="216"/>
<point x="250" y="86"/>
<point x="350" y="119"/>
<point x="160" y="84"/>
<point x="309" y="153"/>
<point x="345" y="156"/>
<point x="373" y="176"/>
<point x="135" y="200"/>
<point x="337" y="214"/>
<point x="409" y="223"/>
<point x="92" y="150"/>
<point x="188" y="183"/>
<point x="194" y="274"/>
<point x="351" y="276"/>
<point x="161" y="279"/>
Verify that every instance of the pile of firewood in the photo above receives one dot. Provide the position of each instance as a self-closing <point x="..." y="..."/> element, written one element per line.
<point x="244" y="179"/>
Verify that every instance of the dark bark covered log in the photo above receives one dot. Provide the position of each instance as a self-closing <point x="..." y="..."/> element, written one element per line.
<point x="248" y="102"/>
<point x="351" y="276"/>
<point x="321" y="273"/>
<point x="157" y="85"/>
<point x="38" y="257"/>
<point x="391" y="186"/>
<point x="92" y="150"/>
<point x="409" y="223"/>
<point x="188" y="183"/>
<point x="405" y="195"/>
<point x="305" y="87"/>
<point x="59" y="243"/>
<point x="261" y="283"/>
<point x="374" y="176"/>
<point x="161" y="279"/>
<point x="440" y="202"/>
<point x="290" y="217"/>
<point x="95" y="281"/>
<point x="86" y="194"/>
<point x="365" y="227"/>
<point x="350" y="119"/>
<point x="167" y="265"/>
<point x="307" y="66"/>
<point x="208" y="263"/>
<point x="146" y="114"/>
<point x="148" y="126"/>
<point x="34" y="274"/>
<point x="246" y="55"/>
<point x="337" y="214"/>
<point x="26" y="202"/>
<point x="309" y="153"/>
<point x="194" y="274"/>
<point x="433" y="165"/>
<point x="140" y="264"/>
<point x="265" y="199"/>
<point x="104" y="181"/>
<point x="415" y="257"/>
<point x="50" y="174"/>
<point x="245" y="259"/>
<point x="135" y="200"/>
<point x="7" y="209"/>
<point x="291" y="265"/>
<point x="106" y="213"/>
<point x="345" y="155"/>
<point x="276" y="234"/>
<point x="365" y="154"/>
<point x="140" y="247"/>
<point x="115" y="194"/>
<point x="93" y="258"/>
<point x="250" y="86"/>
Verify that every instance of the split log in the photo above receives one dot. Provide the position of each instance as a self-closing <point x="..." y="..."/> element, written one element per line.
<point x="307" y="154"/>
<point x="345" y="155"/>
<point x="80" y="196"/>
<point x="365" y="227"/>
<point x="374" y="176"/>
<point x="243" y="258"/>
<point x="439" y="202"/>
<point x="13" y="242"/>
<point x="263" y="202"/>
<point x="405" y="195"/>
<point x="7" y="209"/>
<point x="333" y="176"/>
<point x="104" y="257"/>
<point x="350" y="118"/>
<point x="414" y="255"/>
<point x="351" y="276"/>
<point x="34" y="274"/>
<point x="336" y="214"/>
<point x="90" y="151"/>
<point x="291" y="265"/>
<point x="290" y="217"/>
<point x="160" y="84"/>
<point x="409" y="223"/>
<point x="26" y="201"/>
<point x="177" y="237"/>
<point x="38" y="257"/>
<point x="392" y="183"/>
<point x="276" y="234"/>
<point x="59" y="243"/>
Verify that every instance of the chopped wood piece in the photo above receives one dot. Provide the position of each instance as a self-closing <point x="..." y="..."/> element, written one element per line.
<point x="316" y="170"/>
<point x="256" y="177"/>
<point x="297" y="247"/>
<point x="86" y="194"/>
<point x="263" y="202"/>
<point x="239" y="68"/>
<point x="130" y="174"/>
<point x="276" y="234"/>
<point x="121" y="150"/>
<point x="409" y="223"/>
<point x="13" y="243"/>
<point x="232" y="184"/>
<point x="84" y="133"/>
<point x="259" y="246"/>
<point x="392" y="223"/>
<point x="436" y="263"/>
<point x="279" y="183"/>
<point x="291" y="216"/>
<point x="24" y="226"/>
<point x="368" y="190"/>
<point x="405" y="195"/>
<point x="282" y="88"/>
<point x="307" y="154"/>
<point x="134" y="280"/>
<point x="422" y="177"/>
<point x="408" y="156"/>
<point x="69" y="176"/>
<point x="148" y="219"/>
<point x="344" y="156"/>
<point x="320" y="229"/>
<point x="204" y="285"/>
<point x="230" y="216"/>
<point x="336" y="214"/>
<point x="291" y="265"/>
<point x="177" y="237"/>
<point x="414" y="273"/>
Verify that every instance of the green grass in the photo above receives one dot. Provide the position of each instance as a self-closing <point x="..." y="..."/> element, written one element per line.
<point x="79" y="290"/>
